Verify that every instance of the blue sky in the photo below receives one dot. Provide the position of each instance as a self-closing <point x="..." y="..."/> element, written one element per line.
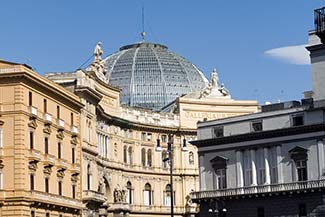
<point x="231" y="36"/>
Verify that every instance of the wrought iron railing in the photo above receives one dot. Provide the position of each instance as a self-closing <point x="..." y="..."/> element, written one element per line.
<point x="320" y="23"/>
<point x="260" y="189"/>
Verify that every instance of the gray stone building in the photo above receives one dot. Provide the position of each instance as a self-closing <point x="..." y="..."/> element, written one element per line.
<point x="269" y="163"/>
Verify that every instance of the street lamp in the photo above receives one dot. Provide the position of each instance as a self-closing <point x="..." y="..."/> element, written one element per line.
<point x="170" y="157"/>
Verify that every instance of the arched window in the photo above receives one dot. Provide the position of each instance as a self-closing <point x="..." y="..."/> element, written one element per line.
<point x="167" y="195"/>
<point x="129" y="188"/>
<point x="89" y="178"/>
<point x="191" y="158"/>
<point x="125" y="154"/>
<point x="163" y="157"/>
<point x="130" y="159"/>
<point x="147" y="195"/>
<point x="143" y="157"/>
<point x="149" y="158"/>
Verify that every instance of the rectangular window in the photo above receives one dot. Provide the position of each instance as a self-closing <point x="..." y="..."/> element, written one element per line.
<point x="45" y="106"/>
<point x="247" y="168"/>
<point x="60" y="188"/>
<point x="30" y="99"/>
<point x="260" y="164"/>
<point x="221" y="178"/>
<point x="47" y="214"/>
<point x="73" y="191"/>
<point x="297" y="120"/>
<point x="217" y="132"/>
<point x="31" y="140"/>
<point x="273" y="165"/>
<point x="164" y="138"/>
<point x="46" y="145"/>
<point x="147" y="195"/>
<point x="47" y="185"/>
<point x="59" y="150"/>
<point x="143" y="136"/>
<point x="73" y="155"/>
<point x="71" y="119"/>
<point x="260" y="212"/>
<point x="302" y="210"/>
<point x="32" y="213"/>
<point x="58" y="112"/>
<point x="149" y="137"/>
<point x="31" y="182"/>
<point x="257" y="126"/>
<point x="301" y="166"/>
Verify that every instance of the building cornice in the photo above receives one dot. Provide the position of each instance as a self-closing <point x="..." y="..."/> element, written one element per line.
<point x="143" y="127"/>
<point x="25" y="75"/>
<point x="259" y="135"/>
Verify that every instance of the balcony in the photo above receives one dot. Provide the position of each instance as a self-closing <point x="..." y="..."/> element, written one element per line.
<point x="47" y="117"/>
<point x="74" y="129"/>
<point x="33" y="110"/>
<point x="61" y="123"/>
<point x="56" y="199"/>
<point x="89" y="195"/>
<point x="34" y="155"/>
<point x="320" y="23"/>
<point x="260" y="189"/>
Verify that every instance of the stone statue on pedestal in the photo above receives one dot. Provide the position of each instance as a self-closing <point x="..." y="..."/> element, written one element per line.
<point x="98" y="66"/>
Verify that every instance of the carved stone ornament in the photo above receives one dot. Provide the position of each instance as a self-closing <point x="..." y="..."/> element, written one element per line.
<point x="60" y="134"/>
<point x="98" y="66"/>
<point x="32" y="123"/>
<point x="120" y="195"/>
<point x="32" y="166"/>
<point x="74" y="140"/>
<point x="74" y="177"/>
<point x="60" y="173"/>
<point x="47" y="169"/>
<point x="47" y="129"/>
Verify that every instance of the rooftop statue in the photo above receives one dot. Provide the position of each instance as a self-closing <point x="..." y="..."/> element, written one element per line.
<point x="214" y="79"/>
<point x="98" y="52"/>
<point x="213" y="90"/>
<point x="98" y="65"/>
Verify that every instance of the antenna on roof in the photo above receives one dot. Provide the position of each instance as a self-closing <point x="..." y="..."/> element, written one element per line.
<point x="143" y="33"/>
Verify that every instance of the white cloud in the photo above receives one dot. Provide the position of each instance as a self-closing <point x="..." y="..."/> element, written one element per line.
<point x="297" y="55"/>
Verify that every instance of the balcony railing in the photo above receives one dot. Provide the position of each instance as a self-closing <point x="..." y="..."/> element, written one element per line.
<point x="61" y="123"/>
<point x="33" y="110"/>
<point x="320" y="23"/>
<point x="52" y="198"/>
<point x="74" y="129"/>
<point x="48" y="117"/>
<point x="260" y="189"/>
<point x="93" y="196"/>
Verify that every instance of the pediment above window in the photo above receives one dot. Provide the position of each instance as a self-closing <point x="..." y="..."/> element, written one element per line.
<point x="298" y="153"/>
<point x="219" y="162"/>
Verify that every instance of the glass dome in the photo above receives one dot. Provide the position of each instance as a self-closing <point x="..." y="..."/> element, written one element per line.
<point x="150" y="76"/>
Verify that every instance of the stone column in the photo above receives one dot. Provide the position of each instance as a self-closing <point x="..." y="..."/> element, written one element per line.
<point x="320" y="151"/>
<point x="279" y="164"/>
<point x="239" y="169"/>
<point x="253" y="160"/>
<point x="267" y="166"/>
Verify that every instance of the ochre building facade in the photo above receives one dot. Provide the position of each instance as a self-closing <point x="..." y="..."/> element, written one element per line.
<point x="69" y="148"/>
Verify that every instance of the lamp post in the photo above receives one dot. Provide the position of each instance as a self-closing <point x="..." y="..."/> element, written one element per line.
<point x="170" y="160"/>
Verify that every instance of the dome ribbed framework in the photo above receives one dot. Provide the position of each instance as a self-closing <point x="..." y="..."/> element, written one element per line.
<point x="150" y="76"/>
